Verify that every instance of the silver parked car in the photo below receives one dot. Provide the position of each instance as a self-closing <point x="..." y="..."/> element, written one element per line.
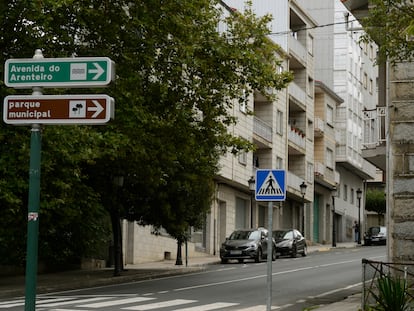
<point x="246" y="244"/>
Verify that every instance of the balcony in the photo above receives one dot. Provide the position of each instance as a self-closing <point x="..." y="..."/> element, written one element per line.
<point x="319" y="127"/>
<point x="293" y="183"/>
<point x="374" y="140"/>
<point x="298" y="51"/>
<point x="325" y="176"/>
<point x="297" y="141"/>
<point x="319" y="169"/>
<point x="262" y="133"/>
<point x="297" y="94"/>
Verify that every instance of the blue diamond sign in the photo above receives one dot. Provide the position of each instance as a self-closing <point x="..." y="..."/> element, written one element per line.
<point x="270" y="185"/>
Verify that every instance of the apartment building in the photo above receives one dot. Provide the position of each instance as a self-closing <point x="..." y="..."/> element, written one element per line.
<point x="282" y="131"/>
<point x="392" y="147"/>
<point x="348" y="69"/>
<point x="313" y="130"/>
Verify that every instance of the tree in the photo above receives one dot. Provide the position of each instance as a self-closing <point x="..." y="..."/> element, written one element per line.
<point x="390" y="24"/>
<point x="375" y="202"/>
<point x="177" y="80"/>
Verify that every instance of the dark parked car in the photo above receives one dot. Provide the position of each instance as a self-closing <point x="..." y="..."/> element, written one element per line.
<point x="376" y="235"/>
<point x="290" y="242"/>
<point x="246" y="244"/>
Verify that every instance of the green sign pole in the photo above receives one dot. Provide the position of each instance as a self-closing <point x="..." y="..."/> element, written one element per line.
<point x="33" y="218"/>
<point x="33" y="209"/>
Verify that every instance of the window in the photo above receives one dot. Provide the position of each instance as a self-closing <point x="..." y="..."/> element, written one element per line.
<point x="329" y="158"/>
<point x="279" y="122"/>
<point x="310" y="87"/>
<point x="329" y="115"/>
<point x="243" y="103"/>
<point x="279" y="163"/>
<point x="345" y="192"/>
<point x="352" y="196"/>
<point x="310" y="45"/>
<point x="243" y="157"/>
<point x="310" y="172"/>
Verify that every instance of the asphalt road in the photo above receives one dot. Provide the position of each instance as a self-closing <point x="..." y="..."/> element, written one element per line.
<point x="298" y="283"/>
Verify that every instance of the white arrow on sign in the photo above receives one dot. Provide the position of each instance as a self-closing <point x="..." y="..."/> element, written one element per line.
<point x="98" y="108"/>
<point x="98" y="70"/>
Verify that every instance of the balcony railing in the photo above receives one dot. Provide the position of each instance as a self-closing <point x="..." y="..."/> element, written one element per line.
<point x="293" y="180"/>
<point x="298" y="49"/>
<point x="297" y="137"/>
<point x="297" y="93"/>
<point x="262" y="129"/>
<point x="319" y="127"/>
<point x="374" y="127"/>
<point x="319" y="169"/>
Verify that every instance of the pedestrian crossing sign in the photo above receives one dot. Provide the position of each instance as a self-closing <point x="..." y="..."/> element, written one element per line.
<point x="270" y="185"/>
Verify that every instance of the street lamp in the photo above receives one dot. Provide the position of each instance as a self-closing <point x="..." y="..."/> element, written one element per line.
<point x="359" y="195"/>
<point x="334" y="193"/>
<point x="252" y="188"/>
<point x="303" y="187"/>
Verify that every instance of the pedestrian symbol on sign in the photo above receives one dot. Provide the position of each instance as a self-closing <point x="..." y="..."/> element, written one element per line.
<point x="270" y="185"/>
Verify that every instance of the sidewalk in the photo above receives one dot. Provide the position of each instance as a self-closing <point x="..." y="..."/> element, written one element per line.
<point x="51" y="282"/>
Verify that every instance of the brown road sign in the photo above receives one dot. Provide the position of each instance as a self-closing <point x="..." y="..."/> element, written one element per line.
<point x="57" y="109"/>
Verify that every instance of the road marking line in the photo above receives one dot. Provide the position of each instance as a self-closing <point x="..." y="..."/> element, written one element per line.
<point x="157" y="305"/>
<point x="56" y="304"/>
<point x="211" y="306"/>
<point x="114" y="302"/>
<point x="338" y="290"/>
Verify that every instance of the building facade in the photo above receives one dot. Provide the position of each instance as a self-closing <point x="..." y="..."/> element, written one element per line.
<point x="314" y="130"/>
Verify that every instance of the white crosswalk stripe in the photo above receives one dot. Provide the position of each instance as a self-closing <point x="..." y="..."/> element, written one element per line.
<point x="11" y="304"/>
<point x="21" y="302"/>
<point x="45" y="304"/>
<point x="208" y="307"/>
<point x="115" y="302"/>
<point x="163" y="304"/>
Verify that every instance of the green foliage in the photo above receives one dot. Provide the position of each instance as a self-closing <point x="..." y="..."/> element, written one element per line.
<point x="390" y="24"/>
<point x="375" y="201"/>
<point x="177" y="81"/>
<point x="392" y="294"/>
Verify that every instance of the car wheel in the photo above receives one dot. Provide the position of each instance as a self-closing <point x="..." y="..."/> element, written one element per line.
<point x="305" y="251"/>
<point x="274" y="254"/>
<point x="240" y="260"/>
<point x="259" y="255"/>
<point x="224" y="260"/>
<point x="294" y="252"/>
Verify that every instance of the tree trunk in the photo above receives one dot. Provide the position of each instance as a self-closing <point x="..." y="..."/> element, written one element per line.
<point x="179" y="260"/>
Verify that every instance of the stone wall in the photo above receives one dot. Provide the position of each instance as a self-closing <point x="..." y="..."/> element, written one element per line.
<point x="401" y="163"/>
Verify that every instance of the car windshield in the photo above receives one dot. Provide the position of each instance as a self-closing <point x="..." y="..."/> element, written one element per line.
<point x="374" y="230"/>
<point x="244" y="235"/>
<point x="283" y="234"/>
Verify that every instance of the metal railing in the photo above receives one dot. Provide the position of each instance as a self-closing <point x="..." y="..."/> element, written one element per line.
<point x="373" y="270"/>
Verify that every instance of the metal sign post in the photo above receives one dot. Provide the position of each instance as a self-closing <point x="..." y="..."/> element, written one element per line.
<point x="33" y="219"/>
<point x="270" y="186"/>
<point x="38" y="73"/>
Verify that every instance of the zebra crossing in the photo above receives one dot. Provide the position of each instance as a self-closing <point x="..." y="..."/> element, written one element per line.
<point x="134" y="303"/>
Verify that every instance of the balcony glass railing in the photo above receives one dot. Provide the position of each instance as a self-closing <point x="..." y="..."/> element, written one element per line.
<point x="296" y="92"/>
<point x="298" y="49"/>
<point x="297" y="137"/>
<point x="262" y="129"/>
